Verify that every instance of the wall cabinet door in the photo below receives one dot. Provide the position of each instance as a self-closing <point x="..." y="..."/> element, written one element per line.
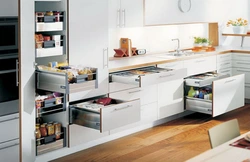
<point x="125" y="13"/>
<point x="88" y="41"/>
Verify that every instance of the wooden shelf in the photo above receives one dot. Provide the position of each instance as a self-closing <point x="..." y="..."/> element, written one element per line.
<point x="241" y="35"/>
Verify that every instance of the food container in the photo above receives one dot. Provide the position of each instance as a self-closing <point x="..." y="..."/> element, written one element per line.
<point x="39" y="17"/>
<point x="57" y="16"/>
<point x="57" y="127"/>
<point x="43" y="130"/>
<point x="49" y="13"/>
<point x="46" y="38"/>
<point x="58" y="100"/>
<point x="51" y="129"/>
<point x="38" y="103"/>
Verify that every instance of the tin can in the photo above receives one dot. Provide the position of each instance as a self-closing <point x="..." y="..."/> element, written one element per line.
<point x="57" y="127"/>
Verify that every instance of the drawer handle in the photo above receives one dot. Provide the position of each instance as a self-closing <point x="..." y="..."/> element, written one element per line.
<point x="200" y="61"/>
<point x="9" y="146"/>
<point x="229" y="81"/>
<point x="164" y="76"/>
<point x="9" y="119"/>
<point x="242" y="63"/>
<point x="227" y="63"/>
<point x="243" y="71"/>
<point x="63" y="87"/>
<point x="134" y="91"/>
<point x="224" y="71"/>
<point x="117" y="109"/>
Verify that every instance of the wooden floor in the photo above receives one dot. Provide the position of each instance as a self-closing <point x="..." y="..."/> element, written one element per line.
<point x="175" y="141"/>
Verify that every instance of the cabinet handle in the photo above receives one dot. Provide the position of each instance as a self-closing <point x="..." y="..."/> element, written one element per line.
<point x="229" y="81"/>
<point x="118" y="18"/>
<point x="242" y="63"/>
<point x="134" y="91"/>
<point x="17" y="69"/>
<point x="128" y="106"/>
<point x="200" y="61"/>
<point x="244" y="71"/>
<point x="224" y="71"/>
<point x="227" y="63"/>
<point x="164" y="76"/>
<point x="9" y="119"/>
<point x="105" y="63"/>
<point x="9" y="146"/>
<point x="124" y="17"/>
<point x="225" y="56"/>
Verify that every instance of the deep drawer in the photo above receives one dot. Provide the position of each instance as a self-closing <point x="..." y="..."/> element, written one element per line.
<point x="147" y="76"/>
<point x="237" y="71"/>
<point x="108" y="118"/>
<point x="199" y="105"/>
<point x="58" y="82"/>
<point x="241" y="57"/>
<point x="224" y="58"/>
<point x="241" y="64"/>
<point x="9" y="125"/>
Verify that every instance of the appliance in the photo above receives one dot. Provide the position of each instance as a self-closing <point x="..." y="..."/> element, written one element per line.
<point x="9" y="92"/>
<point x="9" y="35"/>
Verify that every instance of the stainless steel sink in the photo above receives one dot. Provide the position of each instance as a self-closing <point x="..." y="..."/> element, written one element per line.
<point x="172" y="55"/>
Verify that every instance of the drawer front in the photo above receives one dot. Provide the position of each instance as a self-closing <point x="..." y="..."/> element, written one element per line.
<point x="223" y="65"/>
<point x="171" y="109"/>
<point x="238" y="71"/>
<point x="200" y="65"/>
<point x="224" y="57"/>
<point x="241" y="64"/>
<point x="146" y="95"/>
<point x="110" y="117"/>
<point x="247" y="91"/>
<point x="9" y="151"/>
<point x="241" y="57"/>
<point x="116" y="87"/>
<point x="228" y="94"/>
<point x="197" y="105"/>
<point x="10" y="125"/>
<point x="172" y="65"/>
<point x="149" y="112"/>
<point x="120" y="115"/>
<point x="149" y="79"/>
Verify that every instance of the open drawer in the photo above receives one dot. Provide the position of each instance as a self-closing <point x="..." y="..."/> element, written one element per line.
<point x="105" y="118"/>
<point x="222" y="95"/>
<point x="58" y="82"/>
<point x="142" y="77"/>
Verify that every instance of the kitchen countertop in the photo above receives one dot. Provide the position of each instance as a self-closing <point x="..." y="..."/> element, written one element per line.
<point x="118" y="64"/>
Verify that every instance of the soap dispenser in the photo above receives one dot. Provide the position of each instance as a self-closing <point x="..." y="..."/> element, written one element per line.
<point x="191" y="92"/>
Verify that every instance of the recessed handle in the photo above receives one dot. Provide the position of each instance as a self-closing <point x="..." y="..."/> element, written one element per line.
<point x="164" y="76"/>
<point x="229" y="81"/>
<point x="134" y="91"/>
<point x="128" y="106"/>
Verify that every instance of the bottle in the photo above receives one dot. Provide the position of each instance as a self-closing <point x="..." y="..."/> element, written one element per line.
<point x="201" y="95"/>
<point x="191" y="92"/>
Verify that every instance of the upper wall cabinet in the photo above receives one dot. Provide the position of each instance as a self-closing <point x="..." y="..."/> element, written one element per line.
<point x="159" y="12"/>
<point x="125" y="13"/>
<point x="9" y="8"/>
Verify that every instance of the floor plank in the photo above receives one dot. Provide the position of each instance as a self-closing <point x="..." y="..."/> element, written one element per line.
<point x="177" y="140"/>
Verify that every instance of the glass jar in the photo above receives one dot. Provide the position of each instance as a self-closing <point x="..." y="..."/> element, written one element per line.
<point x="43" y="130"/>
<point x="57" y="127"/>
<point x="51" y="129"/>
<point x="57" y="16"/>
<point x="49" y="13"/>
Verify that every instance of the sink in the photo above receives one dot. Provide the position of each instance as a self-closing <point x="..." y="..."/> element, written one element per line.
<point x="173" y="55"/>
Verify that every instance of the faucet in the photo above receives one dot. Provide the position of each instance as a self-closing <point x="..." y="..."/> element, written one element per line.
<point x="178" y="47"/>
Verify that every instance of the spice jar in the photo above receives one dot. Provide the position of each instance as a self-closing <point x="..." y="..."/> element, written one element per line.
<point x="43" y="130"/>
<point x="49" y="13"/>
<point x="57" y="127"/>
<point x="38" y="132"/>
<point x="51" y="129"/>
<point x="57" y="16"/>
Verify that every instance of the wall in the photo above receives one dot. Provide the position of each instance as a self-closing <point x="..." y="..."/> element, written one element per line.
<point x="9" y="8"/>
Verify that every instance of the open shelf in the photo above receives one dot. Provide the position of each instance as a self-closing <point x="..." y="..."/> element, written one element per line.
<point x="240" y="35"/>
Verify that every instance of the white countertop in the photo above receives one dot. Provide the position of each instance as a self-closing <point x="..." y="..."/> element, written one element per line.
<point x="126" y="63"/>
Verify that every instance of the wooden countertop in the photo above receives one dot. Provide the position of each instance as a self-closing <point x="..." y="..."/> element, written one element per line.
<point x="119" y="64"/>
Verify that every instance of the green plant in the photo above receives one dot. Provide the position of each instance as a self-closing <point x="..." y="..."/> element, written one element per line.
<point x="204" y="40"/>
<point x="197" y="40"/>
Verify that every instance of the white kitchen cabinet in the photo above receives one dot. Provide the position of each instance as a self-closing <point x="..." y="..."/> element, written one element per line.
<point x="200" y="65"/>
<point x="170" y="98"/>
<point x="125" y="13"/>
<point x="88" y="41"/>
<point x="224" y="93"/>
<point x="9" y="151"/>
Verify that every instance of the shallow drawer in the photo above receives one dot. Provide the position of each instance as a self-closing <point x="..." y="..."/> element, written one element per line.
<point x="202" y="80"/>
<point x="9" y="151"/>
<point x="9" y="125"/>
<point x="222" y="65"/>
<point x="247" y="91"/>
<point x="237" y="71"/>
<point x="224" y="57"/>
<point x="107" y="117"/>
<point x="242" y="57"/>
<point x="58" y="82"/>
<point x="242" y="64"/>
<point x="146" y="95"/>
<point x="147" y="76"/>
<point x="225" y="71"/>
<point x="171" y="109"/>
<point x="199" y="105"/>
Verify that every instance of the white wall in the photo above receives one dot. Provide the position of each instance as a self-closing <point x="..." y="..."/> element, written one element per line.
<point x="8" y="7"/>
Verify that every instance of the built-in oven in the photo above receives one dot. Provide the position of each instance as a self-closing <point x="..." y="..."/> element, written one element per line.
<point x="9" y="92"/>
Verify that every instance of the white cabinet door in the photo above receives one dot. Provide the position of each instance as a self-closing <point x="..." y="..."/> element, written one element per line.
<point x="9" y="151"/>
<point x="125" y="13"/>
<point x="170" y="98"/>
<point x="228" y="94"/>
<point x="200" y="65"/>
<point x="27" y="80"/>
<point x="88" y="41"/>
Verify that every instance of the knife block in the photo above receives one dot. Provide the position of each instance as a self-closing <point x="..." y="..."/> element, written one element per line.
<point x="121" y="52"/>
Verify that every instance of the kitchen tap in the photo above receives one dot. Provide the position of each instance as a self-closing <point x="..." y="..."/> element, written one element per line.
<point x="178" y="47"/>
